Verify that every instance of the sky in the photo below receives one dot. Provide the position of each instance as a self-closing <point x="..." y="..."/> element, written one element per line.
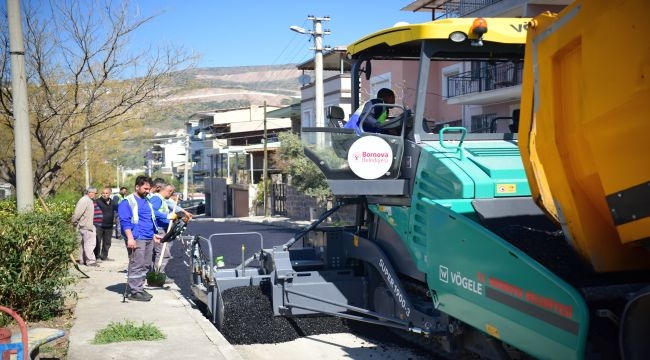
<point x="256" y="32"/>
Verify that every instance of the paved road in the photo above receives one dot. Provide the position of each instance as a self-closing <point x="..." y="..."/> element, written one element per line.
<point x="367" y="342"/>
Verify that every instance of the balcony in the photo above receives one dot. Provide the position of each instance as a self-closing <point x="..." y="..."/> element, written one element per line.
<point x="486" y="83"/>
<point x="450" y="8"/>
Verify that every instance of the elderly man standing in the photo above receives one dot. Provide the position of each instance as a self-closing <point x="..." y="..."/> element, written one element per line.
<point x="104" y="227"/>
<point x="82" y="219"/>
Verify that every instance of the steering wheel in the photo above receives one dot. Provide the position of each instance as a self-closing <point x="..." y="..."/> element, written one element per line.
<point x="396" y="122"/>
<point x="177" y="229"/>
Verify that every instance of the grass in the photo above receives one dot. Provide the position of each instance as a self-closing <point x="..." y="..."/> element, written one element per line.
<point x="118" y="332"/>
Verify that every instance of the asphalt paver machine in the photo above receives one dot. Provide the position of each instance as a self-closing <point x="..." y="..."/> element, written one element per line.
<point x="457" y="237"/>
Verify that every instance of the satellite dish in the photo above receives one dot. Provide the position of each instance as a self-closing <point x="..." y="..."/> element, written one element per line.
<point x="304" y="79"/>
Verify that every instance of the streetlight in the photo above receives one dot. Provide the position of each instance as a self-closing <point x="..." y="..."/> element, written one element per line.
<point x="317" y="33"/>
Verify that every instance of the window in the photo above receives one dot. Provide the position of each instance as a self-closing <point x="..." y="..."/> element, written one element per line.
<point x="449" y="87"/>
<point x="308" y="119"/>
<point x="477" y="67"/>
<point x="481" y="123"/>
<point x="378" y="82"/>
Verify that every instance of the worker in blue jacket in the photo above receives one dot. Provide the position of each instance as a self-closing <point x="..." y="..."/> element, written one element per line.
<point x="140" y="232"/>
<point x="373" y="116"/>
<point x="164" y="212"/>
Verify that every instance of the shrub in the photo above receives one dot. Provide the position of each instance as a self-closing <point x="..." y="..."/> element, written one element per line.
<point x="306" y="177"/>
<point x="259" y="196"/>
<point x="35" y="248"/>
<point x="7" y="208"/>
<point x="63" y="207"/>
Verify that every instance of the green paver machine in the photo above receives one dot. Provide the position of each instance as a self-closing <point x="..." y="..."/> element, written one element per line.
<point x="448" y="241"/>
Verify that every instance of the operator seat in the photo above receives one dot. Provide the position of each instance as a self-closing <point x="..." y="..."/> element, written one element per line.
<point x="340" y="142"/>
<point x="514" y="127"/>
<point x="335" y="114"/>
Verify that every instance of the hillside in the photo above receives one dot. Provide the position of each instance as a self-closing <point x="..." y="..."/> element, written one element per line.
<point x="204" y="89"/>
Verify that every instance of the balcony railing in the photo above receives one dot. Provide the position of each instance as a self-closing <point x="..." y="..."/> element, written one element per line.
<point x="460" y="8"/>
<point x="485" y="78"/>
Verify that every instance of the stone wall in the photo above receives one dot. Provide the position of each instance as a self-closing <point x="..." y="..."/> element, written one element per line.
<point x="300" y="206"/>
<point x="303" y="207"/>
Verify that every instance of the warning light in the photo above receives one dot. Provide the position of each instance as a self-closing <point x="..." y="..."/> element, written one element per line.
<point x="478" y="28"/>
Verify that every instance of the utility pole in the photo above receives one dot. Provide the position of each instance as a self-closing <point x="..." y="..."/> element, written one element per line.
<point x="22" y="138"/>
<point x="319" y="102"/>
<point x="318" y="48"/>
<point x="265" y="167"/>
<point x="188" y="126"/>
<point x="86" y="168"/>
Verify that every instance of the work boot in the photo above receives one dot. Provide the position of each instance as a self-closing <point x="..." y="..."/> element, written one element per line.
<point x="139" y="296"/>
<point x="146" y="294"/>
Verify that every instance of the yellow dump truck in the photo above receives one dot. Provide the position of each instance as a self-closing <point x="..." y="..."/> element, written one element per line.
<point x="583" y="140"/>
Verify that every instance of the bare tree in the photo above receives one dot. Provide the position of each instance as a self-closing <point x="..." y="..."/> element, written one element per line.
<point x="83" y="79"/>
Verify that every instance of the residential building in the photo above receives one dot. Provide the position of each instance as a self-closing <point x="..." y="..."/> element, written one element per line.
<point x="336" y="85"/>
<point x="6" y="190"/>
<point x="167" y="153"/>
<point x="484" y="90"/>
<point x="469" y="94"/>
<point x="390" y="74"/>
<point x="229" y="143"/>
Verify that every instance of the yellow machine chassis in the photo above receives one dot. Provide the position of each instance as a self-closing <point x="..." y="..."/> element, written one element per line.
<point x="584" y="127"/>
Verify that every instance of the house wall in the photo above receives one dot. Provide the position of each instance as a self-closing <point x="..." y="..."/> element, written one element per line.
<point x="174" y="153"/>
<point x="336" y="91"/>
<point x="254" y="112"/>
<point x="401" y="77"/>
<point x="246" y="130"/>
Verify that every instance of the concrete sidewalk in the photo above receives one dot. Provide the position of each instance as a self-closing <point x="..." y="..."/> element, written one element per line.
<point x="189" y="335"/>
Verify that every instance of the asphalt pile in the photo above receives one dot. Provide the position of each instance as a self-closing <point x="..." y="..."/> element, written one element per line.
<point x="248" y="319"/>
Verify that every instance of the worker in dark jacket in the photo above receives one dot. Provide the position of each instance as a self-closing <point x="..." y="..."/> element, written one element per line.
<point x="104" y="227"/>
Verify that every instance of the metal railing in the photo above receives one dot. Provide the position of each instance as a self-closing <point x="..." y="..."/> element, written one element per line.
<point x="461" y="8"/>
<point x="488" y="77"/>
